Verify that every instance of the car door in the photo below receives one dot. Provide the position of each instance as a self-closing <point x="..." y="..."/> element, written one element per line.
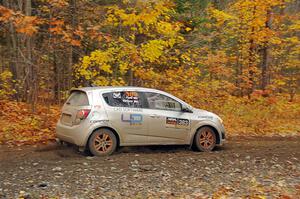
<point x="124" y="110"/>
<point x="168" y="124"/>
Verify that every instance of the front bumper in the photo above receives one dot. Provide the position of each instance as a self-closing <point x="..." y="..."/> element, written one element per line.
<point x="223" y="139"/>
<point x="223" y="136"/>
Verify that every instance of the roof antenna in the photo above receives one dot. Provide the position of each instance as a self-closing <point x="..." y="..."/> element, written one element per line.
<point x="93" y="85"/>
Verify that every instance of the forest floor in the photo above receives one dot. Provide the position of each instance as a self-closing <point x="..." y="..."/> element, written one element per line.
<point x="248" y="168"/>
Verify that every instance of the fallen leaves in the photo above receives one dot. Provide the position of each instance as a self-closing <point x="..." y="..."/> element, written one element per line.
<point x="18" y="126"/>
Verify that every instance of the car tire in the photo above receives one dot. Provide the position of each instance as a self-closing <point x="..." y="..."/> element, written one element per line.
<point x="102" y="142"/>
<point x="205" y="139"/>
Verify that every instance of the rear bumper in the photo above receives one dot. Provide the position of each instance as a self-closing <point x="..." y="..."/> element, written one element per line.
<point x="72" y="134"/>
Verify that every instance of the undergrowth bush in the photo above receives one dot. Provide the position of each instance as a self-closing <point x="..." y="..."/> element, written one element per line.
<point x="258" y="116"/>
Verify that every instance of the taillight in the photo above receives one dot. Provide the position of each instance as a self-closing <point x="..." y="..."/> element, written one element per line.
<point x="83" y="114"/>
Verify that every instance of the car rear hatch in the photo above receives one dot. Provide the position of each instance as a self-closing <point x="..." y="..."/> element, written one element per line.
<point x="76" y="108"/>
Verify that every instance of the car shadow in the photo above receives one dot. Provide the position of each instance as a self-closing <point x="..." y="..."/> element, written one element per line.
<point x="153" y="149"/>
<point x="72" y="150"/>
<point x="161" y="149"/>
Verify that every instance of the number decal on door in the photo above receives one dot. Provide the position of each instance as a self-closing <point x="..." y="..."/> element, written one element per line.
<point x="172" y="122"/>
<point x="132" y="119"/>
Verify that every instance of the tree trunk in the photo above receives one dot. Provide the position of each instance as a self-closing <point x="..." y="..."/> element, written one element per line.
<point x="30" y="73"/>
<point x="265" y="71"/>
<point x="11" y="42"/>
<point x="251" y="59"/>
<point x="74" y="23"/>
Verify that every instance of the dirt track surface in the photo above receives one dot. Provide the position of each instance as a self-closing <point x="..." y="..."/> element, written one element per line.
<point x="242" y="168"/>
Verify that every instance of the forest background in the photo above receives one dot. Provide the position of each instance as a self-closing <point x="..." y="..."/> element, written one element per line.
<point x="237" y="58"/>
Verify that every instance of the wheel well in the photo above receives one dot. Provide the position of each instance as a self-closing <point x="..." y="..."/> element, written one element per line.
<point x="213" y="128"/>
<point x="105" y="127"/>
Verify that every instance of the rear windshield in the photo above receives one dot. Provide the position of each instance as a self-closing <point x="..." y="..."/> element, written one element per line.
<point x="78" y="98"/>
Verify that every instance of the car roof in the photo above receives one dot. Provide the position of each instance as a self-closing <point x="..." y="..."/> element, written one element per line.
<point x="121" y="88"/>
<point x="112" y="88"/>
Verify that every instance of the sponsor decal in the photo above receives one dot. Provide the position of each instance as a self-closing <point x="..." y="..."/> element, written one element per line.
<point x="97" y="106"/>
<point x="206" y="117"/>
<point x="127" y="109"/>
<point x="132" y="119"/>
<point x="169" y="105"/>
<point x="131" y="94"/>
<point x="95" y="117"/>
<point x="131" y="97"/>
<point x="117" y="95"/>
<point x="172" y="122"/>
<point x="98" y="121"/>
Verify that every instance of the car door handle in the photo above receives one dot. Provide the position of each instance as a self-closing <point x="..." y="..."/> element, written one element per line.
<point x="154" y="116"/>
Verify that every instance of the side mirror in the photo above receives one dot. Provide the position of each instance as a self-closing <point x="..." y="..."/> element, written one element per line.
<point x="186" y="109"/>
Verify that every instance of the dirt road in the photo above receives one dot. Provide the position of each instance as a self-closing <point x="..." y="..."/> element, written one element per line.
<point x="242" y="168"/>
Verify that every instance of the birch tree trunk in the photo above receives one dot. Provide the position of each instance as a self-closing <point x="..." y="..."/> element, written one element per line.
<point x="31" y="76"/>
<point x="265" y="70"/>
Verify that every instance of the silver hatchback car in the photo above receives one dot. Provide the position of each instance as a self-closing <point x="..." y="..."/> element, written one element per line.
<point x="101" y="119"/>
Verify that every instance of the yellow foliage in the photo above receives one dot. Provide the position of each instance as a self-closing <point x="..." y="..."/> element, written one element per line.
<point x="151" y="21"/>
<point x="146" y="15"/>
<point x="220" y="16"/>
<point x="153" y="50"/>
<point x="101" y="81"/>
<point x="168" y="29"/>
<point x="6" y="89"/>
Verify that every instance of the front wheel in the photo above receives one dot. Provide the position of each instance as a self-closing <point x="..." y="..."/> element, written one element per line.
<point x="102" y="142"/>
<point x="205" y="139"/>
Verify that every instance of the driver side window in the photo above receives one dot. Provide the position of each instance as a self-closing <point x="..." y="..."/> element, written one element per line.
<point x="162" y="102"/>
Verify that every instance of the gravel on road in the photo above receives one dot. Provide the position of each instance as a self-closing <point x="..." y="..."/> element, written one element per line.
<point x="243" y="168"/>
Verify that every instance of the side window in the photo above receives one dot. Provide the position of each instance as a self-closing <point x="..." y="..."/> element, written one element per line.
<point x="162" y="102"/>
<point x="123" y="99"/>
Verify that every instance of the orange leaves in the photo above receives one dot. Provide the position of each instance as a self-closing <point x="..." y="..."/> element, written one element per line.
<point x="56" y="22"/>
<point x="5" y="14"/>
<point x="216" y="63"/>
<point x="67" y="33"/>
<point x="58" y="3"/>
<point x="27" y="25"/>
<point x="19" y="126"/>
<point x="56" y="26"/>
<point x="75" y="42"/>
<point x="136" y="59"/>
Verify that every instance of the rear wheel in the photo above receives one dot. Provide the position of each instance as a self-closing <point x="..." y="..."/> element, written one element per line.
<point x="102" y="142"/>
<point x="205" y="139"/>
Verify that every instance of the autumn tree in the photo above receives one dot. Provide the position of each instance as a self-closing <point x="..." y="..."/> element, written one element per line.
<point x="219" y="48"/>
<point x="253" y="34"/>
<point x="145" y="36"/>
